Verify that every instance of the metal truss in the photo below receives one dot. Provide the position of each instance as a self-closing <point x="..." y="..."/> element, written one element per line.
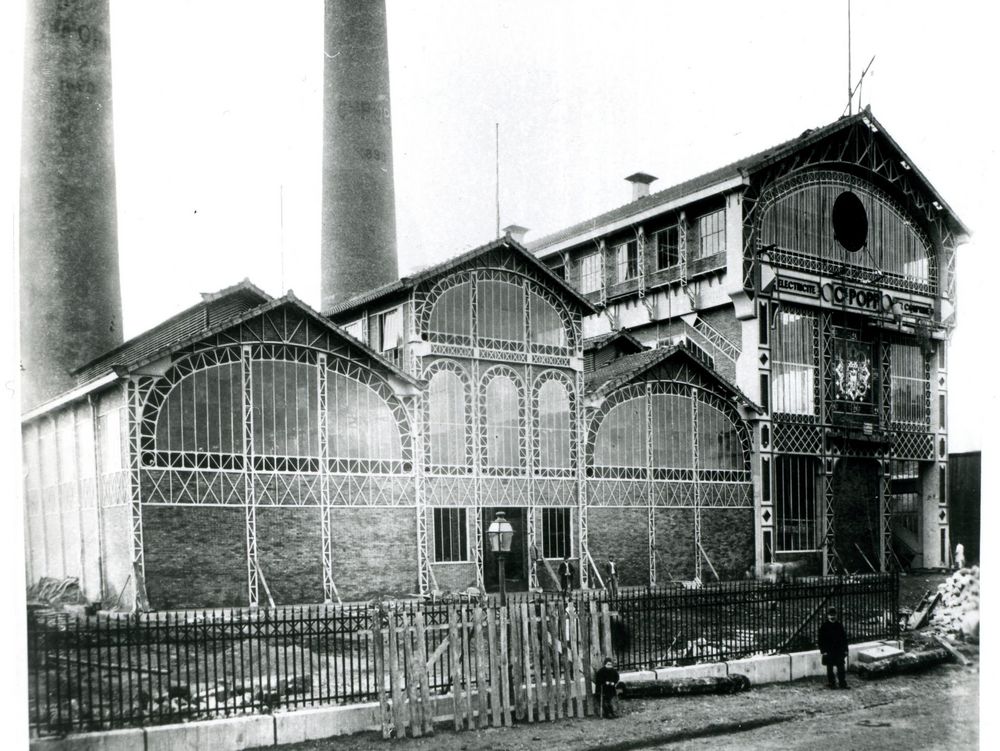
<point x="651" y="519"/>
<point x="326" y="525"/>
<point x="696" y="440"/>
<point x="532" y="547"/>
<point x="133" y="392"/>
<point x="857" y="147"/>
<point x="577" y="449"/>
<point x="640" y="244"/>
<point x="249" y="486"/>
<point x="885" y="553"/>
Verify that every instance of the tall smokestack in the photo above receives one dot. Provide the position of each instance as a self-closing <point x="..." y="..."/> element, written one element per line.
<point x="69" y="285"/>
<point x="359" y="213"/>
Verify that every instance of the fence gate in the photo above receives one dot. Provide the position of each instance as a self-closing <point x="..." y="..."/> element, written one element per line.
<point x="522" y="662"/>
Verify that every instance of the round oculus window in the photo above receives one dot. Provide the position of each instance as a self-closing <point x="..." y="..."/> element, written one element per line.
<point x="850" y="222"/>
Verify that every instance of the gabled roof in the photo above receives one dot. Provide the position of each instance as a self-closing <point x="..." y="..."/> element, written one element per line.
<point x="617" y="373"/>
<point x="741" y="168"/>
<point x="620" y="336"/>
<point x="407" y="283"/>
<point x="149" y="347"/>
<point x="214" y="306"/>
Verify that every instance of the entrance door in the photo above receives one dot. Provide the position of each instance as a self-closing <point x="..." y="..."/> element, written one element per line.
<point x="516" y="563"/>
<point x="856" y="514"/>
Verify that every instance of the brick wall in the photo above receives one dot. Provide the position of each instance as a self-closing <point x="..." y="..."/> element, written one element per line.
<point x="374" y="552"/>
<point x="195" y="557"/>
<point x="290" y="553"/>
<point x="623" y="533"/>
<point x="674" y="543"/>
<point x="452" y="577"/>
<point x="727" y="536"/>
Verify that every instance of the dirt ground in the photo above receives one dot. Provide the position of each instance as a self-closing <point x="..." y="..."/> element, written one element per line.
<point x="936" y="709"/>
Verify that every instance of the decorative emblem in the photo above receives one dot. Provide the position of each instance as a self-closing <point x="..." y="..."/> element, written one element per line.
<point x="853" y="374"/>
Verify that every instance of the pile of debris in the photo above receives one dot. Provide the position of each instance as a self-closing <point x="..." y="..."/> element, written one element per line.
<point x="55" y="594"/>
<point x="957" y="610"/>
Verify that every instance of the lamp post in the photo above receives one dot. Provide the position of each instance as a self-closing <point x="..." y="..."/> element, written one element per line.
<point x="500" y="533"/>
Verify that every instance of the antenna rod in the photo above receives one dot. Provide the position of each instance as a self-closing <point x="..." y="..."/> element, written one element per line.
<point x="498" y="175"/>
<point x="850" y="90"/>
<point x="281" y="224"/>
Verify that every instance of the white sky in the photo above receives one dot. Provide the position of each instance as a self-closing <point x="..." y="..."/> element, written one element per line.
<point x="218" y="105"/>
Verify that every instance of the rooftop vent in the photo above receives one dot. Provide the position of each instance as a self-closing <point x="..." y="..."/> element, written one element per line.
<point x="640" y="184"/>
<point x="516" y="232"/>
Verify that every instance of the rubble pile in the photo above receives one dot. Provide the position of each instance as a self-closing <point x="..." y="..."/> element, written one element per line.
<point x="957" y="612"/>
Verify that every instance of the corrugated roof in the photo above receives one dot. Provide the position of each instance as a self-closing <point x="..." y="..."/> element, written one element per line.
<point x="226" y="302"/>
<point x="409" y="282"/>
<point x="740" y="168"/>
<point x="628" y="367"/>
<point x="597" y="342"/>
<point x="288" y="299"/>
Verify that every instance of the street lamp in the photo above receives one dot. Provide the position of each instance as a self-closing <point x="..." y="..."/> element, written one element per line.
<point x="501" y="533"/>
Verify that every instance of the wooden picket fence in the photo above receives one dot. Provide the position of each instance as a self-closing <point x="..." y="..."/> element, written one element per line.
<point x="522" y="662"/>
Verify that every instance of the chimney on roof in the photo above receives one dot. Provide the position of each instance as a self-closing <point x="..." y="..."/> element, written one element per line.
<point x="516" y="233"/>
<point x="358" y="250"/>
<point x="640" y="184"/>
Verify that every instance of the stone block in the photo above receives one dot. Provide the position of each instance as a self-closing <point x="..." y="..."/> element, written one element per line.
<point x="130" y="739"/>
<point x="874" y="654"/>
<point x="325" y="722"/>
<point x="762" y="669"/>
<point x="806" y="664"/>
<point x="231" y="734"/>
<point x="703" y="670"/>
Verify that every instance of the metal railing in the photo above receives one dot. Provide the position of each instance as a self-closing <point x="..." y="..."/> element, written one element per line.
<point x="109" y="671"/>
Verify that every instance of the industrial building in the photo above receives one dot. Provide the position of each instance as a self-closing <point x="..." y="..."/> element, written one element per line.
<point x="746" y="368"/>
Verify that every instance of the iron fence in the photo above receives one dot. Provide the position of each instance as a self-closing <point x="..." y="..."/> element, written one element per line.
<point x="104" y="671"/>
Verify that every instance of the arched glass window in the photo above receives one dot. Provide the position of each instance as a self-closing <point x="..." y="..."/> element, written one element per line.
<point x="554" y="426"/>
<point x="360" y="424"/>
<point x="285" y="408"/>
<point x="202" y="413"/>
<point x="621" y="438"/>
<point x="447" y="421"/>
<point x="718" y="442"/>
<point x="452" y="312"/>
<point x="501" y="311"/>
<point x="502" y="424"/>
<point x="672" y="423"/>
<point x="546" y="324"/>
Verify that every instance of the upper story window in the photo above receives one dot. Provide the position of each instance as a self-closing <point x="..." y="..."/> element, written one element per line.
<point x="667" y="245"/>
<point x="360" y="424"/>
<point x="793" y="364"/>
<point x="502" y="423"/>
<point x="447" y="422"/>
<point x="385" y="330"/>
<point x="830" y="222"/>
<point x="354" y="328"/>
<point x="202" y="412"/>
<point x="452" y="312"/>
<point x="555" y="432"/>
<point x="671" y="421"/>
<point x="712" y="233"/>
<point x="501" y="311"/>
<point x="591" y="272"/>
<point x="909" y="384"/>
<point x="547" y="326"/>
<point x="621" y="439"/>
<point x="627" y="261"/>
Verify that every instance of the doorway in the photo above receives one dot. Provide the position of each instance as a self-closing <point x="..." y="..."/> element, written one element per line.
<point x="516" y="563"/>
<point x="856" y="514"/>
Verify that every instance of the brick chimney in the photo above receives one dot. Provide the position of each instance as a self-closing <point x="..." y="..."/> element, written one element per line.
<point x="640" y="184"/>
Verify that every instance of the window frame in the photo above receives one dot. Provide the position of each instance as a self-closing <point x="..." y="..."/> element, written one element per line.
<point x="627" y="261"/>
<point x="595" y="274"/>
<point x="558" y="541"/>
<point x="714" y="237"/>
<point x="675" y="229"/>
<point x="452" y="521"/>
